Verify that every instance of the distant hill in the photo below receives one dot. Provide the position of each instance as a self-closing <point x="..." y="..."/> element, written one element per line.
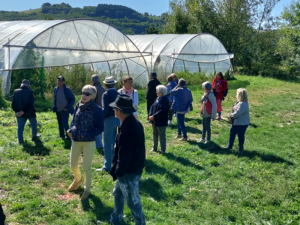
<point x="121" y="17"/>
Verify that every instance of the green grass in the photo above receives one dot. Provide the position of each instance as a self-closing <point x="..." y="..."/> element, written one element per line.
<point x="192" y="184"/>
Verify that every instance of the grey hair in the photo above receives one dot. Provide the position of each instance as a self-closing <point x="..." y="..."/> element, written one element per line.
<point x="162" y="89"/>
<point x="207" y="85"/>
<point x="182" y="82"/>
<point x="90" y="89"/>
<point x="95" y="78"/>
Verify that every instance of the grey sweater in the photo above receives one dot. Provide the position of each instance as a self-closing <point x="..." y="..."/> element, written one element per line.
<point x="240" y="113"/>
<point x="213" y="101"/>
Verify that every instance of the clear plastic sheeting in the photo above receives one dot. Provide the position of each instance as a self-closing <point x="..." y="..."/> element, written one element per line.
<point x="38" y="44"/>
<point x="180" y="52"/>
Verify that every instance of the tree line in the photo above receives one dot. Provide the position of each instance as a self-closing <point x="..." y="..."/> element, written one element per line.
<point x="263" y="44"/>
<point x="123" y="18"/>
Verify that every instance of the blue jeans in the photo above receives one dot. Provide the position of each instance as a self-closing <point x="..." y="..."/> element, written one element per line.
<point x="220" y="113"/>
<point x="21" y="125"/>
<point x="63" y="123"/>
<point x="99" y="141"/>
<point x="237" y="130"/>
<point x="180" y="124"/>
<point x="110" y="133"/>
<point x="127" y="188"/>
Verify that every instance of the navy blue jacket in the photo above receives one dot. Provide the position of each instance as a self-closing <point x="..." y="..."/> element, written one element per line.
<point x="160" y="110"/>
<point x="23" y="100"/>
<point x="70" y="99"/>
<point x="88" y="123"/>
<point x="130" y="153"/>
<point x="182" y="99"/>
<point x="151" y="91"/>
<point x="108" y="97"/>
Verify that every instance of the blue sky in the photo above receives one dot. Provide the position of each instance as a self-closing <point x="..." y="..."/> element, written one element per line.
<point x="155" y="7"/>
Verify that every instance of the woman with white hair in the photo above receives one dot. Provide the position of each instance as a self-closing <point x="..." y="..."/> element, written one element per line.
<point x="208" y="111"/>
<point x="158" y="116"/>
<point x="86" y="125"/>
<point x="240" y="119"/>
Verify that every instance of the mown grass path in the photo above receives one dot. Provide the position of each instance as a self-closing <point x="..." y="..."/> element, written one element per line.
<point x="192" y="184"/>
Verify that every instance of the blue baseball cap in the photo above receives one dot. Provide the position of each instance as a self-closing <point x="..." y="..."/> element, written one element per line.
<point x="61" y="77"/>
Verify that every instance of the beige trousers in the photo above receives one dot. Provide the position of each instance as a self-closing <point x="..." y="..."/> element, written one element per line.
<point x="87" y="148"/>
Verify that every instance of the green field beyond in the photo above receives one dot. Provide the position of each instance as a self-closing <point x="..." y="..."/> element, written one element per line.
<point x="192" y="184"/>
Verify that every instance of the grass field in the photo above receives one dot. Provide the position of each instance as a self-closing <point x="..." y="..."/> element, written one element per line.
<point x="192" y="184"/>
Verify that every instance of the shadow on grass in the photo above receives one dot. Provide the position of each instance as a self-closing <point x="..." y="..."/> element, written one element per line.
<point x="214" y="148"/>
<point x="198" y="120"/>
<point x="151" y="167"/>
<point x="37" y="149"/>
<point x="101" y="211"/>
<point x="152" y="188"/>
<point x="100" y="151"/>
<point x="183" y="161"/>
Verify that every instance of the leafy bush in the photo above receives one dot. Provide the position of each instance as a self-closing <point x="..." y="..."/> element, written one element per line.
<point x="194" y="78"/>
<point x="3" y="103"/>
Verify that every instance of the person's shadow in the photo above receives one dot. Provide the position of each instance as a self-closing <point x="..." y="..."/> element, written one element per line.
<point x="152" y="188"/>
<point x="101" y="211"/>
<point x="183" y="161"/>
<point x="152" y="168"/>
<point x="215" y="148"/>
<point x="37" y="149"/>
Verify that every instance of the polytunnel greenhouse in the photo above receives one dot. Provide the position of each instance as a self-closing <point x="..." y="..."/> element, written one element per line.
<point x="51" y="43"/>
<point x="180" y="52"/>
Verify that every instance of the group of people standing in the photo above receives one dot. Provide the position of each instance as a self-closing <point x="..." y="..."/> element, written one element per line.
<point x="114" y="113"/>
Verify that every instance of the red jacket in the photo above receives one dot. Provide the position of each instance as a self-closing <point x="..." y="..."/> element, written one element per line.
<point x="222" y="87"/>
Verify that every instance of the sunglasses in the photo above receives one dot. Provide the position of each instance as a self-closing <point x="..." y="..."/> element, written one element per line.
<point x="86" y="93"/>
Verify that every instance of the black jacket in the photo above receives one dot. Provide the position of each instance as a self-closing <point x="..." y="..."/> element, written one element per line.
<point x="23" y="100"/>
<point x="129" y="156"/>
<point x="2" y="216"/>
<point x="160" y="112"/>
<point x="151" y="92"/>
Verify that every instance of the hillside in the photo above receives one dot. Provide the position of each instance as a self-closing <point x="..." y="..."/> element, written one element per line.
<point x="123" y="18"/>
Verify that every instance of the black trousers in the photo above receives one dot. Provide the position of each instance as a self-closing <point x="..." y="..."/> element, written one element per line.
<point x="149" y="104"/>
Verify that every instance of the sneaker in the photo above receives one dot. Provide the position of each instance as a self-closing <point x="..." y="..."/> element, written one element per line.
<point x="170" y="122"/>
<point x="101" y="170"/>
<point x="178" y="136"/>
<point x="34" y="138"/>
<point x="75" y="184"/>
<point x="85" y="195"/>
<point x="207" y="142"/>
<point x="201" y="140"/>
<point x="183" y="139"/>
<point x="153" y="150"/>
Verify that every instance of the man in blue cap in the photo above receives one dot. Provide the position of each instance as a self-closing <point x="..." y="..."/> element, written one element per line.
<point x="63" y="102"/>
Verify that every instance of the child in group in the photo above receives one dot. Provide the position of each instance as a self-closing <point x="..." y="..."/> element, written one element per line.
<point x="208" y="111"/>
<point x="219" y="87"/>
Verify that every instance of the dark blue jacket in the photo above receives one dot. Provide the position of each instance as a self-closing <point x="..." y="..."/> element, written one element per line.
<point x="170" y="86"/>
<point x="129" y="156"/>
<point x="182" y="99"/>
<point x="87" y="123"/>
<point x="23" y="100"/>
<point x="160" y="110"/>
<point x="70" y="99"/>
<point x="108" y="97"/>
